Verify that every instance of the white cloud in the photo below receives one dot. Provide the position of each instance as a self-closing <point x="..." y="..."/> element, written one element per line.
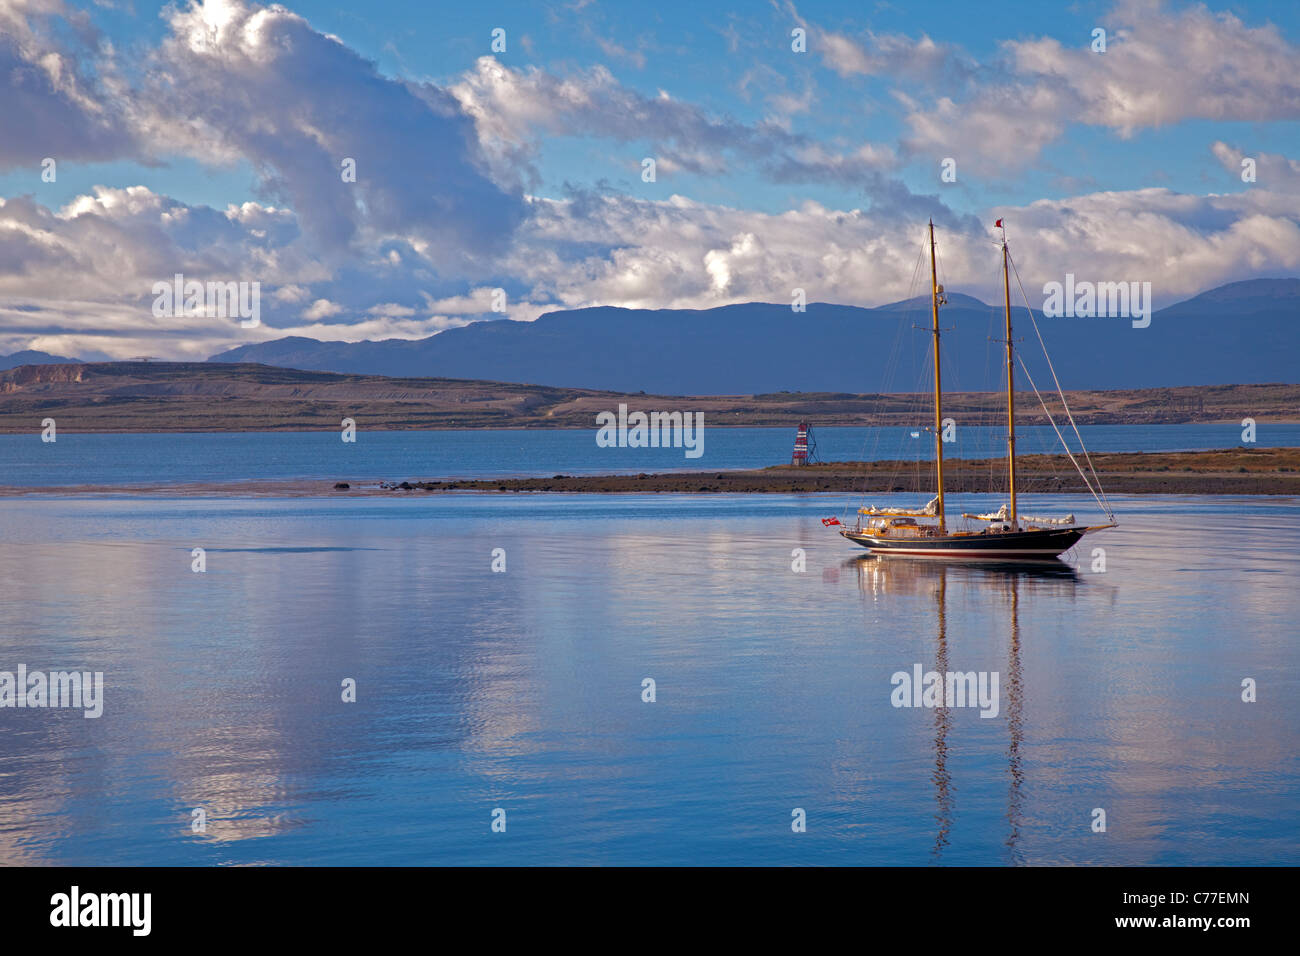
<point x="413" y="248"/>
<point x="392" y="310"/>
<point x="291" y="293"/>
<point x="512" y="106"/>
<point x="53" y="106"/>
<point x="1160" y="67"/>
<point x="1272" y="170"/>
<point x="684" y="254"/>
<point x="79" y="280"/>
<point x="321" y="309"/>
<point x="238" y="81"/>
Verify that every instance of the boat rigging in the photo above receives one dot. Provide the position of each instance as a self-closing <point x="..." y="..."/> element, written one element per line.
<point x="1008" y="535"/>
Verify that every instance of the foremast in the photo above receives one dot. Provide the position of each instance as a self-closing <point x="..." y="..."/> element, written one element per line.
<point x="938" y="387"/>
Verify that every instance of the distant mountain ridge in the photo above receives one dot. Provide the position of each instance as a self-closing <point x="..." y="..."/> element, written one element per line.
<point x="31" y="357"/>
<point x="1243" y="332"/>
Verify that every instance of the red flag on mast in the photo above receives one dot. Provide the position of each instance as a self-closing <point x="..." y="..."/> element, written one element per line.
<point x="998" y="224"/>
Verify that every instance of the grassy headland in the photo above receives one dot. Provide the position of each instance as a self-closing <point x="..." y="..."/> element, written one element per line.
<point x="1239" y="471"/>
<point x="217" y="397"/>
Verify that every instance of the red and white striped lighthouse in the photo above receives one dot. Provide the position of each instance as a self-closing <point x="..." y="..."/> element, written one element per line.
<point x="805" y="446"/>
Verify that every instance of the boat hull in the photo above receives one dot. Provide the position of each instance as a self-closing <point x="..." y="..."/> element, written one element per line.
<point x="1036" y="543"/>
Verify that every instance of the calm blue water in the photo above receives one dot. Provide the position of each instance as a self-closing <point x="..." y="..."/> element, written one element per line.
<point x="137" y="459"/>
<point x="522" y="690"/>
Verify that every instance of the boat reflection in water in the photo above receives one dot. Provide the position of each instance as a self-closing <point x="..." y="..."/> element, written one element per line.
<point x="881" y="575"/>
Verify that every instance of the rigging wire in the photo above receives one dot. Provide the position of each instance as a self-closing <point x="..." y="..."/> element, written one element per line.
<point x="1098" y="493"/>
<point x="1103" y="501"/>
<point x="989" y="412"/>
<point x="1104" y="506"/>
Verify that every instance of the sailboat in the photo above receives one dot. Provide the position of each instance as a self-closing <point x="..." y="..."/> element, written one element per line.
<point x="1004" y="535"/>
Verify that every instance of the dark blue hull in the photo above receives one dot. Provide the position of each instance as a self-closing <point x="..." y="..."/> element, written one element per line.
<point x="994" y="545"/>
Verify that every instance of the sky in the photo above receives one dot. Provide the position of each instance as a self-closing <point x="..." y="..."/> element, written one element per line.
<point x="795" y="146"/>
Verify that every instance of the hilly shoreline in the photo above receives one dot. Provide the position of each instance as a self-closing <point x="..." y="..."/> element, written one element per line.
<point x="124" y="397"/>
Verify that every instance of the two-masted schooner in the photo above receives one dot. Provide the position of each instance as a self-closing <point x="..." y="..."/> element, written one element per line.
<point x="1004" y="535"/>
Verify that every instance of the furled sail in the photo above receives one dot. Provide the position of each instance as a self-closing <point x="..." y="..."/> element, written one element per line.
<point x="1067" y="520"/>
<point x="1003" y="514"/>
<point x="929" y="511"/>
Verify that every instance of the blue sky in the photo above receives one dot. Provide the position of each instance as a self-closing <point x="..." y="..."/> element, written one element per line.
<point x="521" y="170"/>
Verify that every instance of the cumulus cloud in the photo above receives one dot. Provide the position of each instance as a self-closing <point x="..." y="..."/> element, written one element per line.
<point x="1160" y="67"/>
<point x="116" y="243"/>
<point x="512" y="106"/>
<point x="291" y="293"/>
<point x="51" y="105"/>
<point x="1182" y="244"/>
<point x="685" y="254"/>
<point x="438" y="218"/>
<point x="322" y="309"/>
<point x="1272" y="170"/>
<point x="608" y="249"/>
<point x="80" y="280"/>
<point x="91" y="267"/>
<point x="235" y="80"/>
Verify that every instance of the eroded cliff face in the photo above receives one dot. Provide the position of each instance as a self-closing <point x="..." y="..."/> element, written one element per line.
<point x="24" y="376"/>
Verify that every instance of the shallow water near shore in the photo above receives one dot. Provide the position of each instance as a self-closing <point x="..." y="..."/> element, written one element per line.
<point x="523" y="690"/>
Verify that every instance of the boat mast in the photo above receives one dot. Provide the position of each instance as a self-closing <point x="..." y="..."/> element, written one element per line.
<point x="938" y="391"/>
<point x="1011" y="393"/>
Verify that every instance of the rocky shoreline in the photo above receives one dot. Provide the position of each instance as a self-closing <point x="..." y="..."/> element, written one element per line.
<point x="1238" y="471"/>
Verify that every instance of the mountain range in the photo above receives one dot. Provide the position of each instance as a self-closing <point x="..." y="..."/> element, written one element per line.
<point x="1245" y="332"/>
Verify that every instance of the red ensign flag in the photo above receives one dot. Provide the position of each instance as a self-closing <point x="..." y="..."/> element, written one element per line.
<point x="998" y="224"/>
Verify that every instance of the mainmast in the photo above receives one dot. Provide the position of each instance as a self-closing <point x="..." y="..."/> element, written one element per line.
<point x="1011" y="393"/>
<point x="938" y="390"/>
